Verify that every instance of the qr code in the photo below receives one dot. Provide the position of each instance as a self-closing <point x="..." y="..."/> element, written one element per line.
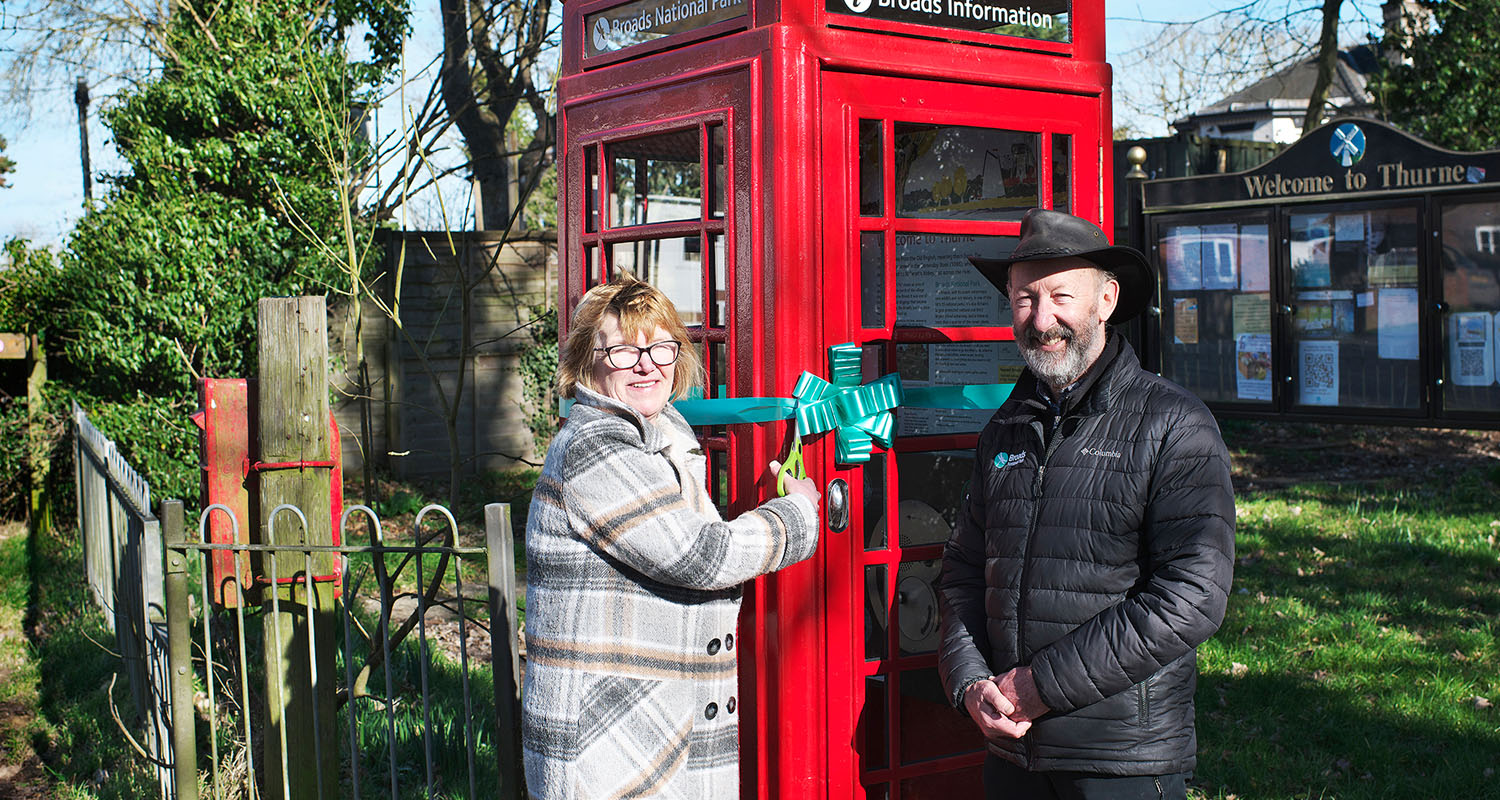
<point x="1318" y="368"/>
<point x="1471" y="361"/>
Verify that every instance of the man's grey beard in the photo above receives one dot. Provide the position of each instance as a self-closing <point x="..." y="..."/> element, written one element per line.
<point x="1061" y="369"/>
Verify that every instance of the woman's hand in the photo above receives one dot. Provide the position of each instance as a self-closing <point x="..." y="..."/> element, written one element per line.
<point x="802" y="486"/>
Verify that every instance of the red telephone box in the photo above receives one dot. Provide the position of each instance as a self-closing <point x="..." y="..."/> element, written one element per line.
<point x="796" y="174"/>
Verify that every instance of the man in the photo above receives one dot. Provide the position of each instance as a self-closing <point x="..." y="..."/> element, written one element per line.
<point x="1094" y="549"/>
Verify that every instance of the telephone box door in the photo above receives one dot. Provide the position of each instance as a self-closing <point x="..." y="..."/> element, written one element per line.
<point x="918" y="176"/>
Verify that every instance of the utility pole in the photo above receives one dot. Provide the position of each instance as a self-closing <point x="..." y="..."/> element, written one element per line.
<point x="81" y="97"/>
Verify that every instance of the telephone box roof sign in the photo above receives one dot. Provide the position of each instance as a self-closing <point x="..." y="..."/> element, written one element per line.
<point x="1345" y="159"/>
<point x="1046" y="19"/>
<point x="641" y="21"/>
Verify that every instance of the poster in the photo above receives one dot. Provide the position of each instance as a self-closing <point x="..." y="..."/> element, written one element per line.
<point x="1185" y="320"/>
<point x="1310" y="243"/>
<point x="952" y="364"/>
<point x="1217" y="257"/>
<point x="1184" y="267"/>
<point x="1255" y="259"/>
<point x="937" y="287"/>
<point x="1318" y="364"/>
<point x="1496" y="329"/>
<point x="1252" y="314"/>
<point x="1314" y="314"/>
<point x="1396" y="313"/>
<point x="1253" y="362"/>
<point x="964" y="172"/>
<point x="1471" y="349"/>
<point x="1349" y="227"/>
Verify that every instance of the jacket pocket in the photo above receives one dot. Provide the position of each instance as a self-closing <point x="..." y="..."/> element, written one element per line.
<point x="633" y="737"/>
<point x="1143" y="701"/>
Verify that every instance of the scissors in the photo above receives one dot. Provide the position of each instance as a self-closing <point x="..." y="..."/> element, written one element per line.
<point x="792" y="465"/>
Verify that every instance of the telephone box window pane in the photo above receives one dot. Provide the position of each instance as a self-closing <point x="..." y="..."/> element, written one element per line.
<point x="1216" y="310"/>
<point x="1062" y="169"/>
<point x="957" y="172"/>
<point x="962" y="782"/>
<point x="716" y="201"/>
<point x="1355" y="299"/>
<point x="875" y="522"/>
<point x="719" y="482"/>
<point x="674" y="265"/>
<point x="872" y="279"/>
<point x="877" y="724"/>
<point x="875" y="612"/>
<point x="718" y="379"/>
<point x="952" y="364"/>
<point x="591" y="265"/>
<point x="929" y="726"/>
<point x="1471" y="290"/>
<point x="937" y="286"/>
<point x="591" y="188"/>
<point x="656" y="178"/>
<point x="871" y="168"/>
<point x="719" y="308"/>
<point x="932" y="487"/>
<point x="881" y="792"/>
<point x="917" y="606"/>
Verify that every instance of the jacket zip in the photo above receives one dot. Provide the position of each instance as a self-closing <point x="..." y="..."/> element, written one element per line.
<point x="1052" y="440"/>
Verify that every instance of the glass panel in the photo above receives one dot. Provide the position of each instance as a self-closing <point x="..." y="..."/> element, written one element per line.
<point x="871" y="168"/>
<point x="718" y="188"/>
<point x="880" y="792"/>
<point x="877" y="723"/>
<point x="1471" y="290"/>
<point x="718" y="378"/>
<point x="932" y="487"/>
<point x="872" y="279"/>
<point x="952" y="364"/>
<point x="955" y="172"/>
<point x="719" y="309"/>
<point x="591" y="265"/>
<point x="675" y="266"/>
<point x="1216" y="311"/>
<point x="1062" y="169"/>
<point x="875" y="612"/>
<point x="591" y="193"/>
<point x="718" y="482"/>
<point x="937" y="287"/>
<point x="1355" y="302"/>
<point x="930" y="728"/>
<point x="656" y="178"/>
<point x="916" y="603"/>
<point x="875" y="523"/>
<point x="962" y="782"/>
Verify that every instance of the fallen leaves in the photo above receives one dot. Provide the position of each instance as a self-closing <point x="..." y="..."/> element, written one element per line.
<point x="1481" y="703"/>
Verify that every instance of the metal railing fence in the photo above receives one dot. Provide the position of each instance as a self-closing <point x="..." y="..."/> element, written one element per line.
<point x="412" y="721"/>
<point x="122" y="556"/>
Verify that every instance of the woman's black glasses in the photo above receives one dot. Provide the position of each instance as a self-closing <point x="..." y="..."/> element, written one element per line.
<point x="626" y="356"/>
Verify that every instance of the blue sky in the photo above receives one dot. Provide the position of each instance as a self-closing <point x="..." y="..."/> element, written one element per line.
<point x="46" y="193"/>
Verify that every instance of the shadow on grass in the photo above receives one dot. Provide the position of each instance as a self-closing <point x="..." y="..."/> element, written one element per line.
<point x="1278" y="736"/>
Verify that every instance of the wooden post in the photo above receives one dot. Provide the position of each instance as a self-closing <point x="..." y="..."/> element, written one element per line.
<point x="501" y="566"/>
<point x="40" y="507"/>
<point x="294" y="445"/>
<point x="180" y="655"/>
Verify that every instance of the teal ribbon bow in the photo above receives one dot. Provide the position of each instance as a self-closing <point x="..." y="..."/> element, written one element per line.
<point x="859" y="414"/>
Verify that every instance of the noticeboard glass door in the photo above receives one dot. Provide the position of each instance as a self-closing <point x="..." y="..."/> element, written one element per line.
<point x="931" y="174"/>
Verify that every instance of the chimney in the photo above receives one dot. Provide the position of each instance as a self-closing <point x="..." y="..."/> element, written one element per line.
<point x="1402" y="20"/>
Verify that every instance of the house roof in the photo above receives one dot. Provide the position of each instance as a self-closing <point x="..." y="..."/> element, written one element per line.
<point x="1290" y="88"/>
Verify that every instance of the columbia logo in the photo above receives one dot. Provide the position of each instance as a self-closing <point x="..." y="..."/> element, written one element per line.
<point x="1098" y="452"/>
<point x="1007" y="460"/>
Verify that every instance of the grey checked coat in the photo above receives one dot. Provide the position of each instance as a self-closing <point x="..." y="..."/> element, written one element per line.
<point x="633" y="594"/>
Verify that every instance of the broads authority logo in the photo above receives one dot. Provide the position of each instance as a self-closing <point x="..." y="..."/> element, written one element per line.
<point x="858" y="6"/>
<point x="1005" y="461"/>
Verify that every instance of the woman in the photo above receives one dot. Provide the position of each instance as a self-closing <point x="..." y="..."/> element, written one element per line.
<point x="633" y="579"/>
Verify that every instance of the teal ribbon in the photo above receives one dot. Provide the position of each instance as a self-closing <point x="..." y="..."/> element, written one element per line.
<point x="858" y="413"/>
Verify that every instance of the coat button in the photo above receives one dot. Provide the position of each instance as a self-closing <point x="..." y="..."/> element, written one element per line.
<point x="729" y="706"/>
<point x="712" y="711"/>
<point x="713" y="647"/>
<point x="728" y="641"/>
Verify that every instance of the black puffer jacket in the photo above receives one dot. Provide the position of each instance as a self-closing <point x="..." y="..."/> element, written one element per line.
<point x="1096" y="546"/>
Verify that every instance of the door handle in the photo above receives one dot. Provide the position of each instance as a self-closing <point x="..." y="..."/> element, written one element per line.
<point x="836" y="500"/>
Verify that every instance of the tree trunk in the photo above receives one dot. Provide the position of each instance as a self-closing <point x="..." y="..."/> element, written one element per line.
<point x="482" y="124"/>
<point x="1328" y="56"/>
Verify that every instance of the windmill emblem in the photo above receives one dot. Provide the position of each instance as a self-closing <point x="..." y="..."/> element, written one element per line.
<point x="1347" y="144"/>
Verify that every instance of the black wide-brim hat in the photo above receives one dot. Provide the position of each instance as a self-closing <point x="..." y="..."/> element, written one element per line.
<point x="1055" y="234"/>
